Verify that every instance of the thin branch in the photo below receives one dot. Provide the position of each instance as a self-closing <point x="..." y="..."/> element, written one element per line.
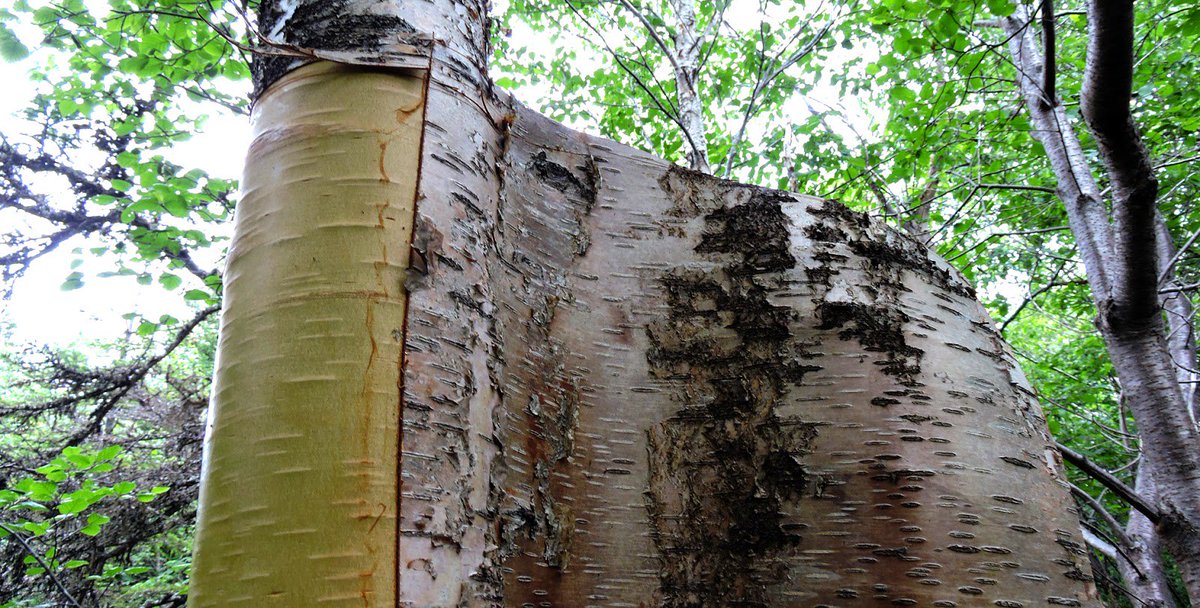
<point x="1162" y="276"/>
<point x="1113" y="525"/>
<point x="41" y="562"/>
<point x="140" y="372"/>
<point x="653" y="32"/>
<point x="1029" y="299"/>
<point x="1105" y="548"/>
<point x="1109" y="481"/>
<point x="674" y="116"/>
<point x="761" y="86"/>
<point x="1172" y="163"/>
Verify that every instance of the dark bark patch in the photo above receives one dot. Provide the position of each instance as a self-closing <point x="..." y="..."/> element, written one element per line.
<point x="561" y="178"/>
<point x="877" y="329"/>
<point x="834" y="210"/>
<point x="826" y="233"/>
<point x="756" y="232"/>
<point x="881" y="249"/>
<point x="913" y="258"/>
<point x="726" y="470"/>
<point x="326" y="25"/>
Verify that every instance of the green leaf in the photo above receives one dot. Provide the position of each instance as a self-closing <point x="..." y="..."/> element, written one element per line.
<point x="176" y="207"/>
<point x="11" y="47"/>
<point x="72" y="507"/>
<point x="1001" y="8"/>
<point x="132" y="210"/>
<point x="36" y="528"/>
<point x="169" y="280"/>
<point x="73" y="281"/>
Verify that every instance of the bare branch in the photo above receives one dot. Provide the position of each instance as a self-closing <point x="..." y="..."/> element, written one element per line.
<point x="41" y="562"/>
<point x="97" y="415"/>
<point x="1111" y="482"/>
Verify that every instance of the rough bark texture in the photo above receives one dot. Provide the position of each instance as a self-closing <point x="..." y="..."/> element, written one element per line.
<point x="630" y="384"/>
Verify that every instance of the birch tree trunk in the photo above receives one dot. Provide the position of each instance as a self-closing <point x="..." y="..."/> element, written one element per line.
<point x="1121" y="258"/>
<point x="470" y="357"/>
<point x="686" y="60"/>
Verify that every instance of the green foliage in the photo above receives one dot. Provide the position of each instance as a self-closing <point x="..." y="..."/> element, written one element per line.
<point x="130" y="80"/>
<point x="58" y="500"/>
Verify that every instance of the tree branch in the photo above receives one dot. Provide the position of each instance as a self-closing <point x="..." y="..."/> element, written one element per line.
<point x="1105" y="102"/>
<point x="97" y="415"/>
<point x="1049" y="65"/>
<point x="1076" y="185"/>
<point x="1098" y="473"/>
<point x="41" y="562"/>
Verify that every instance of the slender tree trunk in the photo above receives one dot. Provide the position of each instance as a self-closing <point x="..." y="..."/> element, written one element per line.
<point x="1120" y="261"/>
<point x="1141" y="565"/>
<point x="1177" y="306"/>
<point x="623" y="383"/>
<point x="688" y="46"/>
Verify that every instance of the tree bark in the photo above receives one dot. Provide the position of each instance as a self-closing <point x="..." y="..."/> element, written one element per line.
<point x="1141" y="564"/>
<point x="623" y="383"/>
<point x="688" y="46"/>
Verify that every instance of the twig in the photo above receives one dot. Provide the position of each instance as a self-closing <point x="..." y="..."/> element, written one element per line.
<point x="49" y="572"/>
<point x="650" y="30"/>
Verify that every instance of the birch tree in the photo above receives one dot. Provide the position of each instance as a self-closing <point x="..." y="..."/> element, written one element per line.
<point x="470" y="357"/>
<point x="1126" y="255"/>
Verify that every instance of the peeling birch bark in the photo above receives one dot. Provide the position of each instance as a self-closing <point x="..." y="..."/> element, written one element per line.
<point x="623" y="384"/>
<point x="299" y="499"/>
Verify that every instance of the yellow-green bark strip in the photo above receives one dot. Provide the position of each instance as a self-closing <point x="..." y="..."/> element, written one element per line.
<point x="300" y="491"/>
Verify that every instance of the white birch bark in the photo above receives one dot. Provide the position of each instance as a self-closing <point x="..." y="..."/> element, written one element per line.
<point x="624" y="383"/>
<point x="688" y="46"/>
